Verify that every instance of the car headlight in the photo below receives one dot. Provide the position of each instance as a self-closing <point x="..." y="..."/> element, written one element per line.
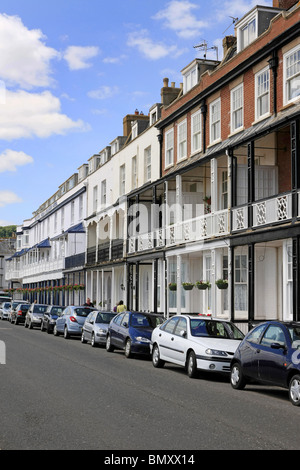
<point x="141" y="339"/>
<point x="102" y="331"/>
<point x="215" y="352"/>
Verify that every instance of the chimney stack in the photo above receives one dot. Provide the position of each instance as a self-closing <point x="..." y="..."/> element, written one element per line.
<point x="228" y="42"/>
<point x="169" y="93"/>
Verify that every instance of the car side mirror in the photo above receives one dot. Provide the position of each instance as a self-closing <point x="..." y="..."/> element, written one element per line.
<point x="125" y="324"/>
<point x="183" y="333"/>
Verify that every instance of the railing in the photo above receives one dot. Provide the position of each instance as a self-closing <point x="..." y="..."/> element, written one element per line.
<point x="200" y="228"/>
<point x="267" y="211"/>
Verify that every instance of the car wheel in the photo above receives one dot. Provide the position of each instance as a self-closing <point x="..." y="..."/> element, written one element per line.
<point x="66" y="333"/>
<point x="237" y="379"/>
<point x="109" y="346"/>
<point x="128" y="352"/>
<point x="156" y="360"/>
<point x="55" y="332"/>
<point x="93" y="342"/>
<point x="294" y="390"/>
<point x="192" y="365"/>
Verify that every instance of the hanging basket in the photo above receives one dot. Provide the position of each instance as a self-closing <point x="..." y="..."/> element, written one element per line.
<point x="173" y="286"/>
<point x="222" y="284"/>
<point x="202" y="285"/>
<point x="187" y="286"/>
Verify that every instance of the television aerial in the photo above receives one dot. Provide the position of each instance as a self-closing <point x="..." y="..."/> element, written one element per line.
<point x="204" y="47"/>
<point x="234" y="20"/>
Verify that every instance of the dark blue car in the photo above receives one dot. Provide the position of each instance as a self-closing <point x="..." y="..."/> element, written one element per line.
<point x="132" y="331"/>
<point x="269" y="354"/>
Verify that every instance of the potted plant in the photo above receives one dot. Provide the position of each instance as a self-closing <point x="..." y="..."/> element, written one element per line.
<point x="222" y="283"/>
<point x="187" y="285"/>
<point x="202" y="285"/>
<point x="173" y="286"/>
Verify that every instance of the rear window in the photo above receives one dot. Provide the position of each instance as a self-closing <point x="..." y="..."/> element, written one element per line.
<point x="40" y="308"/>
<point x="6" y="305"/>
<point x="105" y="317"/>
<point x="56" y="310"/>
<point x="83" y="311"/>
<point x="24" y="307"/>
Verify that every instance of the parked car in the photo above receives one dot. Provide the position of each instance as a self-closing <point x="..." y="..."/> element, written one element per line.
<point x="50" y="316"/>
<point x="195" y="342"/>
<point x="34" y="315"/>
<point x="95" y="327"/>
<point x="4" y="310"/>
<point x="131" y="331"/>
<point x="71" y="320"/>
<point x="14" y="305"/>
<point x="269" y="354"/>
<point x="18" y="314"/>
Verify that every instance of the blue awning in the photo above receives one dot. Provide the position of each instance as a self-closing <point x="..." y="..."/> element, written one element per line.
<point x="44" y="244"/>
<point x="79" y="228"/>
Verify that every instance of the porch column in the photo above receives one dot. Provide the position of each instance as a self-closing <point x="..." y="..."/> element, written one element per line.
<point x="137" y="285"/>
<point x="155" y="272"/>
<point x="179" y="209"/>
<point x="214" y="184"/>
<point x="296" y="270"/>
<point x="251" y="179"/>
<point x="251" y="282"/>
<point x="178" y="280"/>
<point x="295" y="156"/>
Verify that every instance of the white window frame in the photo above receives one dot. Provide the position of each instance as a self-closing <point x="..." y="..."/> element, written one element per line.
<point x="95" y="198"/>
<point x="244" y="28"/>
<point x="237" y="108"/>
<point x="122" y="179"/>
<point x="169" y="148"/>
<point x="215" y="121"/>
<point x="295" y="74"/>
<point x="134" y="172"/>
<point x="196" y="132"/>
<point x="262" y="91"/>
<point x="147" y="163"/>
<point x="182" y="140"/>
<point x="103" y="193"/>
<point x="190" y="78"/>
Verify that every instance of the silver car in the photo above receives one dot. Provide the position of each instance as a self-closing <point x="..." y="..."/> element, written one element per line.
<point x="71" y="320"/>
<point x="95" y="327"/>
<point x="4" y="310"/>
<point x="34" y="315"/>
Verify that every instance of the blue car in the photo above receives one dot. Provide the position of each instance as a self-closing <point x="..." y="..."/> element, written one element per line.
<point x="71" y="320"/>
<point x="131" y="331"/>
<point x="269" y="354"/>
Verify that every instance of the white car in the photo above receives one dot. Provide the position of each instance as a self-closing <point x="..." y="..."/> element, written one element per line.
<point x="195" y="342"/>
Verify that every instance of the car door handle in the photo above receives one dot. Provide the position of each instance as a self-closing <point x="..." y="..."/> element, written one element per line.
<point x="257" y="351"/>
<point x="159" y="334"/>
<point x="172" y="339"/>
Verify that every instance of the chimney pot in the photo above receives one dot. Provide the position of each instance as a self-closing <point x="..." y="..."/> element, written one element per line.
<point x="166" y="82"/>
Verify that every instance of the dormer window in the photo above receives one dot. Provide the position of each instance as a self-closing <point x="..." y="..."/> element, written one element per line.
<point x="252" y="25"/>
<point x="190" y="78"/>
<point x="134" y="130"/>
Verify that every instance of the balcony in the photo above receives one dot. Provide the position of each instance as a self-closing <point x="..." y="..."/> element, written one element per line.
<point x="267" y="211"/>
<point x="200" y="228"/>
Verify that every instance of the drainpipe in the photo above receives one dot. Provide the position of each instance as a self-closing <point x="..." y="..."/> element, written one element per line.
<point x="273" y="63"/>
<point x="203" y="109"/>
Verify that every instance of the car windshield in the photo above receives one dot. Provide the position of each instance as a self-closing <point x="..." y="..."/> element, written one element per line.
<point x="214" y="328"/>
<point x="83" y="311"/>
<point x="105" y="317"/>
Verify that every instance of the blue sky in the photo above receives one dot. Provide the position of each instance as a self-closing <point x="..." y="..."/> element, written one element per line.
<point x="70" y="70"/>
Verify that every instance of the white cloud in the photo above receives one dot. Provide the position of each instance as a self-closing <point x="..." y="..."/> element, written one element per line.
<point x="77" y="57"/>
<point x="237" y="8"/>
<point x="8" y="197"/>
<point x="24" y="57"/>
<point x="178" y="17"/>
<point x="28" y="115"/>
<point x="148" y="48"/>
<point x="11" y="159"/>
<point x="103" y="92"/>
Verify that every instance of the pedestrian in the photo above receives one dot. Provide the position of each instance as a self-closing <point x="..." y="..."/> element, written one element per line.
<point x="121" y="307"/>
<point x="88" y="303"/>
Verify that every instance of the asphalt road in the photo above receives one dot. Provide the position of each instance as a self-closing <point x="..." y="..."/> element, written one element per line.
<point x="64" y="395"/>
